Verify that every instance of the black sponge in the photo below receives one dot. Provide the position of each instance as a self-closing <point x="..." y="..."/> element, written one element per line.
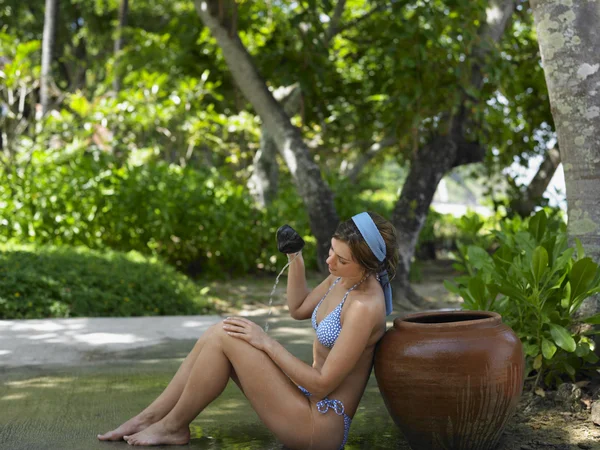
<point x="288" y="240"/>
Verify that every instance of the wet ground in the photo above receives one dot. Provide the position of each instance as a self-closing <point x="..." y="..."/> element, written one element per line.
<point x="65" y="406"/>
<point x="60" y="392"/>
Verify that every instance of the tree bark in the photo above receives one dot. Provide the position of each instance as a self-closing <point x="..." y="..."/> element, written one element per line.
<point x="47" y="48"/>
<point x="353" y="170"/>
<point x="445" y="150"/>
<point x="428" y="166"/>
<point x="569" y="41"/>
<point x="263" y="182"/>
<point x="532" y="196"/>
<point x="123" y="11"/>
<point x="313" y="190"/>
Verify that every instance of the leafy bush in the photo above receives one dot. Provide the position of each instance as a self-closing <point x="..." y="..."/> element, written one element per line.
<point x="73" y="282"/>
<point x="185" y="216"/>
<point x="536" y="284"/>
<point x="198" y="220"/>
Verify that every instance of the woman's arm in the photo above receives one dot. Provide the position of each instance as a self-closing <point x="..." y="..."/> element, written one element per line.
<point x="297" y="289"/>
<point x="359" y="322"/>
<point x="301" y="300"/>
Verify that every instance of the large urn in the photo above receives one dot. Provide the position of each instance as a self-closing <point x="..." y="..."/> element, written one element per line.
<point x="450" y="380"/>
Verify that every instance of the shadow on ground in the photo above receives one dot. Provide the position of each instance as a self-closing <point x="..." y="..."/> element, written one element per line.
<point x="65" y="407"/>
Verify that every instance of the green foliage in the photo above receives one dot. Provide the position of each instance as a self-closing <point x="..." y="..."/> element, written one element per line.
<point x="537" y="283"/>
<point x="451" y="234"/>
<point x="41" y="282"/>
<point x="19" y="79"/>
<point x="185" y="216"/>
<point x="159" y="166"/>
<point x="402" y="56"/>
<point x="471" y="238"/>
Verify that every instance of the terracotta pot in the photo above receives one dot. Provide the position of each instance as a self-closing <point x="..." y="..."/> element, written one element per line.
<point x="450" y="380"/>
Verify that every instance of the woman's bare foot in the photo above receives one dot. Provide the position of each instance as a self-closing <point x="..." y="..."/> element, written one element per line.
<point x="159" y="434"/>
<point x="132" y="426"/>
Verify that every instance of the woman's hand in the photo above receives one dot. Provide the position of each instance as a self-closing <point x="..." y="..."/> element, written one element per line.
<point x="246" y="330"/>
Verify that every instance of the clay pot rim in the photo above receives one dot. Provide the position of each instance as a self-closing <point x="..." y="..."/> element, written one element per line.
<point x="487" y="319"/>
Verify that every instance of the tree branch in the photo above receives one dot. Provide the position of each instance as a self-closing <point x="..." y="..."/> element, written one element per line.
<point x="335" y="21"/>
<point x="364" y="17"/>
<point x="525" y="205"/>
<point x="352" y="170"/>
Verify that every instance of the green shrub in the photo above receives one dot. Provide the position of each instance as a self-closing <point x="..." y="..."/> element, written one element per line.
<point x="197" y="220"/>
<point x="444" y="232"/>
<point x="74" y="282"/>
<point x="185" y="216"/>
<point x="536" y="284"/>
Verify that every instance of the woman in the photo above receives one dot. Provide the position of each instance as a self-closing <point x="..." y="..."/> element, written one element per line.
<point x="304" y="406"/>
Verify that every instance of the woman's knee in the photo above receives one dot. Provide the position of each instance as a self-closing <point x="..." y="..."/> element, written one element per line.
<point x="211" y="332"/>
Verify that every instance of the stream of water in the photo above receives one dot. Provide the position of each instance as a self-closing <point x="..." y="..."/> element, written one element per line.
<point x="273" y="292"/>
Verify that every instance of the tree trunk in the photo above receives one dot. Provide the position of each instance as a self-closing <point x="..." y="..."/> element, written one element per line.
<point x="264" y="179"/>
<point x="443" y="152"/>
<point x="532" y="196"/>
<point x="47" y="47"/>
<point x="313" y="190"/>
<point x="123" y="11"/>
<point x="428" y="166"/>
<point x="569" y="42"/>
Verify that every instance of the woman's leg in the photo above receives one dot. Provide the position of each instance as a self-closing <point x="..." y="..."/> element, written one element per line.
<point x="167" y="399"/>
<point x="278" y="402"/>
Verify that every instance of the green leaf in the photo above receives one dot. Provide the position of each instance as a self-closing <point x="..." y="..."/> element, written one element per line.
<point x="537" y="225"/>
<point x="583" y="273"/>
<point x="563" y="259"/>
<point x="451" y="287"/>
<point x="591" y="357"/>
<point x="582" y="349"/>
<point x="580" y="250"/>
<point x="548" y="348"/>
<point x="477" y="290"/>
<point x="550" y="245"/>
<point x="594" y="320"/>
<point x="539" y="262"/>
<point x="570" y="369"/>
<point x="562" y="338"/>
<point x="479" y="258"/>
<point x="378" y="98"/>
<point x="537" y="362"/>
<point x="511" y="291"/>
<point x="566" y="299"/>
<point x="462" y="280"/>
<point x="524" y="241"/>
<point x="530" y="349"/>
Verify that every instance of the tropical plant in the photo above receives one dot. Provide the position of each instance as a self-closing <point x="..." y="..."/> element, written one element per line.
<point x="537" y="283"/>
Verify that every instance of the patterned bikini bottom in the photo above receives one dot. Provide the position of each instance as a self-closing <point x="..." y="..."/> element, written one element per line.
<point x="337" y="406"/>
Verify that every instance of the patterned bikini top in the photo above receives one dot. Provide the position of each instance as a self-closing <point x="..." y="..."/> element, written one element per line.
<point x="330" y="327"/>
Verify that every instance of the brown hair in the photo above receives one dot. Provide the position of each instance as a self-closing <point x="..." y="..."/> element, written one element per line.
<point x="348" y="233"/>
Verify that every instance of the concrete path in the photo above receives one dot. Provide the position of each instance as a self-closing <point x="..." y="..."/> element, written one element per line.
<point x="72" y="341"/>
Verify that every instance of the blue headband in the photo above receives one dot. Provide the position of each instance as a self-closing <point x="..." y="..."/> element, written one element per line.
<point x="375" y="241"/>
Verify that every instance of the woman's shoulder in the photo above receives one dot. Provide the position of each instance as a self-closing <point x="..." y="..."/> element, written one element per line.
<point x="370" y="299"/>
